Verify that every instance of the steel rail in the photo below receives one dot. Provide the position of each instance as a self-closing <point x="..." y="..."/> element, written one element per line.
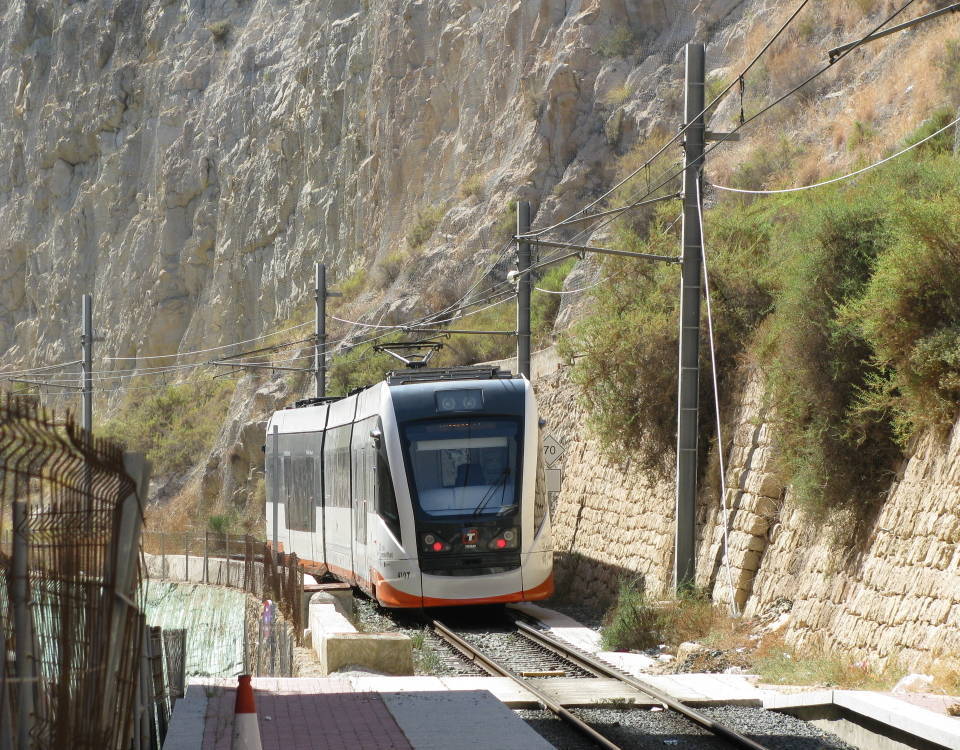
<point x="597" y="666"/>
<point x="492" y="668"/>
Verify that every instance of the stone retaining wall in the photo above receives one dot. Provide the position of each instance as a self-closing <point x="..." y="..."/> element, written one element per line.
<point x="895" y="595"/>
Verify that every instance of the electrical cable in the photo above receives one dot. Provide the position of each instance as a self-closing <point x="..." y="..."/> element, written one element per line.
<point x="639" y="196"/>
<point x="575" y="291"/>
<point x="836" y="179"/>
<point x="211" y="349"/>
<point x="681" y="132"/>
<point x="32" y="370"/>
<point x="716" y="403"/>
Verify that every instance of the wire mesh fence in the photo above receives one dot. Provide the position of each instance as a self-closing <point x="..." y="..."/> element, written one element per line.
<point x="272" y="624"/>
<point x="70" y="517"/>
<point x="241" y="562"/>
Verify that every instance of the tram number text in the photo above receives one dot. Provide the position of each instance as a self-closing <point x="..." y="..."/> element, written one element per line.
<point x="403" y="574"/>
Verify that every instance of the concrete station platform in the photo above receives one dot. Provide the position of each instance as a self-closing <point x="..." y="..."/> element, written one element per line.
<point x="340" y="713"/>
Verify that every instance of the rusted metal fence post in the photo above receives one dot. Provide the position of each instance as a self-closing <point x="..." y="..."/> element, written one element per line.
<point x="22" y="624"/>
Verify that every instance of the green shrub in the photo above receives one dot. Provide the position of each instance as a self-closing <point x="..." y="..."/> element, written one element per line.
<point x="847" y="298"/>
<point x="815" y="360"/>
<point x="425" y="225"/>
<point x="627" y="372"/>
<point x="219" y="30"/>
<point x="506" y="226"/>
<point x="351" y="286"/>
<point x="634" y="623"/>
<point x="637" y="623"/>
<point x="949" y="63"/>
<point x="909" y="312"/>
<point x="766" y="162"/>
<point x="618" y="95"/>
<point x="470" y="349"/>
<point x="861" y="133"/>
<point x="620" y="42"/>
<point x="544" y="307"/>
<point x="936" y="121"/>
<point x="360" y="367"/>
<point x="389" y="267"/>
<point x="175" y="426"/>
<point x="473" y="187"/>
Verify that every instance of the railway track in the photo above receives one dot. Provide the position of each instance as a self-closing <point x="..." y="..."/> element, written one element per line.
<point x="583" y="665"/>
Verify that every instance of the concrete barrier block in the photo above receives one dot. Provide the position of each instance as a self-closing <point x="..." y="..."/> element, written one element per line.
<point x="384" y="652"/>
<point x="324" y="617"/>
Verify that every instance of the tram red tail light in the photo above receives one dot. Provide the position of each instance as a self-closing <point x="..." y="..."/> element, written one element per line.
<point x="437" y="547"/>
<point x="506" y="539"/>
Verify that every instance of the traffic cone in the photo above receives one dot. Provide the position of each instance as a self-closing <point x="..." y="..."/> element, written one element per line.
<point x="246" y="729"/>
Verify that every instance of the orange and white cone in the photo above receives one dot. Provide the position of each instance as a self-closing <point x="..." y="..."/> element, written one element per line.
<point x="246" y="729"/>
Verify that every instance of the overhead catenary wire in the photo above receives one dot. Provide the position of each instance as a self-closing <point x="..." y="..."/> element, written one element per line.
<point x="716" y="404"/>
<point x="104" y="375"/>
<point x="842" y="177"/>
<point x="576" y="215"/>
<point x="211" y="349"/>
<point x="639" y="195"/>
<point x="635" y="198"/>
<point x="42" y="368"/>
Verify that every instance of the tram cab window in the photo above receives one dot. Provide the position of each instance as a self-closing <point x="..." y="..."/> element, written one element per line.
<point x="465" y="466"/>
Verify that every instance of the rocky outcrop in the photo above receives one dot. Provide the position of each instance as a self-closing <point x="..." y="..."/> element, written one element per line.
<point x="187" y="161"/>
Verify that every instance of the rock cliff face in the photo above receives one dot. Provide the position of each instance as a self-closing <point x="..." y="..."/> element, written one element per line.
<point x="187" y="161"/>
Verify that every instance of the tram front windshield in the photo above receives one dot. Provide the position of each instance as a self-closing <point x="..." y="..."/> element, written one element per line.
<point x="464" y="467"/>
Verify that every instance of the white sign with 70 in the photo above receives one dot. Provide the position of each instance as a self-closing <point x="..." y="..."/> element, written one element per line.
<point x="552" y="450"/>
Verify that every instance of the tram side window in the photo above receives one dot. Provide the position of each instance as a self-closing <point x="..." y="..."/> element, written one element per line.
<point x="364" y="477"/>
<point x="286" y="484"/>
<point x="300" y="516"/>
<point x="386" y="497"/>
<point x="336" y="467"/>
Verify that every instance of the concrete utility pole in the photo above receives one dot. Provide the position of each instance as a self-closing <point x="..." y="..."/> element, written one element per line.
<point x="684" y="568"/>
<point x="321" y="293"/>
<point x="87" y="340"/>
<point x="524" y="283"/>
<point x="319" y="354"/>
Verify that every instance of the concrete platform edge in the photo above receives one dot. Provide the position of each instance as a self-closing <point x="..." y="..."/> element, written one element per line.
<point x="189" y="715"/>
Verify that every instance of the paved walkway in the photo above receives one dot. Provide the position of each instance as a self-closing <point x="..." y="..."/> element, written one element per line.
<point x="321" y="714"/>
<point x="335" y="713"/>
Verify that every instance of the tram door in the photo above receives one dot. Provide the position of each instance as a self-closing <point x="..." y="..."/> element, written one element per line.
<point x="364" y="491"/>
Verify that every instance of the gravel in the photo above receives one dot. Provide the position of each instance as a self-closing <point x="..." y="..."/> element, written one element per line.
<point x="628" y="727"/>
<point x="643" y="729"/>
<point x="431" y="655"/>
<point x="519" y="654"/>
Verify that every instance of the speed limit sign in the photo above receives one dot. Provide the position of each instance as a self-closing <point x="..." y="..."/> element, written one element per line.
<point x="552" y="450"/>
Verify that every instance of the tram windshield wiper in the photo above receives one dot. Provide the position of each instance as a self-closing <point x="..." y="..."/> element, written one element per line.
<point x="502" y="482"/>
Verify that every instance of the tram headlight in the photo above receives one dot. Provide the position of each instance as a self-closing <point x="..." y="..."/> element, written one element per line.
<point x="463" y="399"/>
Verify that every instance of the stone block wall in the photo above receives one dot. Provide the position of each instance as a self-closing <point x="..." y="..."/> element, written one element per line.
<point x="894" y="595"/>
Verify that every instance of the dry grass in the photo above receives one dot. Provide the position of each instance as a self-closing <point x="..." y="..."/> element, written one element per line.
<point x="473" y="186"/>
<point x="778" y="664"/>
<point x="618" y="95"/>
<point x="886" y="92"/>
<point x="177" y="514"/>
<point x="946" y="676"/>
